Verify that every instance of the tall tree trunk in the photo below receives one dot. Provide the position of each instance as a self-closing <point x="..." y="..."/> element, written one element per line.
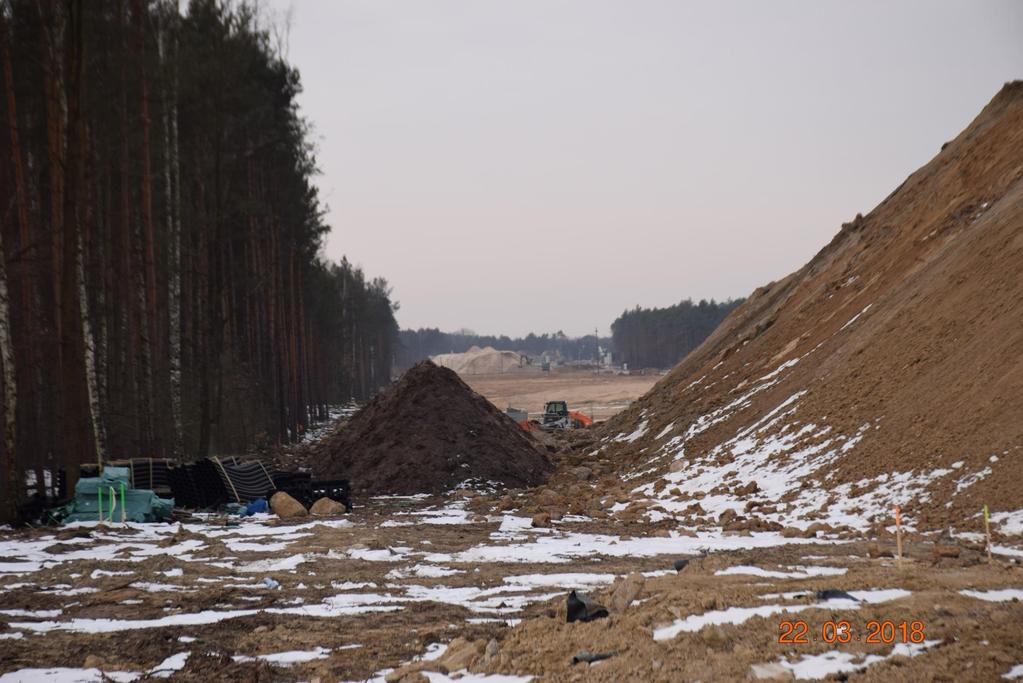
<point x="77" y="439"/>
<point x="12" y="472"/>
<point x="14" y="482"/>
<point x="150" y="331"/>
<point x="172" y="198"/>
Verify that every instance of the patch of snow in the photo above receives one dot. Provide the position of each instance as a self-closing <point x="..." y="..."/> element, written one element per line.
<point x="814" y="667"/>
<point x="1010" y="523"/>
<point x="564" y="581"/>
<point x="31" y="614"/>
<point x="856" y="317"/>
<point x="288" y="658"/>
<point x="738" y="615"/>
<point x="1014" y="674"/>
<point x="1003" y="595"/>
<point x="799" y="572"/>
<point x="114" y="625"/>
<point x="423" y="571"/>
<point x="636" y="435"/>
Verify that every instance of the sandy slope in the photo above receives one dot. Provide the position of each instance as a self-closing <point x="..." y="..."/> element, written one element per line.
<point x="886" y="371"/>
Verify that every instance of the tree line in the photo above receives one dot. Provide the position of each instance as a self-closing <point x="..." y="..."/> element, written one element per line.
<point x="661" y="337"/>
<point x="162" y="292"/>
<point x="416" y="345"/>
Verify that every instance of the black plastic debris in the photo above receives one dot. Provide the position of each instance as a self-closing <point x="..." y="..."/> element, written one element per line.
<point x="835" y="594"/>
<point x="581" y="608"/>
<point x="590" y="657"/>
<point x="681" y="564"/>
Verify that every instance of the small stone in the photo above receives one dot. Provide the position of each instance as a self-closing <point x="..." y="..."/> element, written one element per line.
<point x="415" y="677"/>
<point x="461" y="653"/>
<point x="875" y="550"/>
<point x="815" y="528"/>
<point x="582" y="473"/>
<point x="772" y="671"/>
<point x="627" y="591"/>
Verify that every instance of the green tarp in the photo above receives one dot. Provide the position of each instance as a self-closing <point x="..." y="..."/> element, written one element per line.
<point x="112" y="490"/>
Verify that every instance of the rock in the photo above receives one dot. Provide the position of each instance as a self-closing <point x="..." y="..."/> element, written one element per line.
<point x="414" y="677"/>
<point x="547" y="497"/>
<point x="875" y="550"/>
<point x="815" y="528"/>
<point x="627" y="591"/>
<point x="325" y="507"/>
<point x="542" y="520"/>
<point x="491" y="650"/>
<point x="747" y="490"/>
<point x="461" y="653"/>
<point x="287" y="507"/>
<point x="409" y="672"/>
<point x="581" y="473"/>
<point x="772" y="671"/>
<point x="93" y="662"/>
<point x="940" y="550"/>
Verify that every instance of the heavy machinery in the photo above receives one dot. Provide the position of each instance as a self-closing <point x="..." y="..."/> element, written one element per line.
<point x="556" y="415"/>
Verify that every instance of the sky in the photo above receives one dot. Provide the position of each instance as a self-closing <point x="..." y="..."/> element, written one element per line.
<point x="544" y="165"/>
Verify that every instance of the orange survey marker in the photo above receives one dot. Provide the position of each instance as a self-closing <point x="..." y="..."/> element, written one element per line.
<point x="898" y="532"/>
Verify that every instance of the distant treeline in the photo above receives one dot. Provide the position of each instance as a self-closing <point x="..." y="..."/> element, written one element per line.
<point x="661" y="337"/>
<point x="415" y="345"/>
<point x="162" y="291"/>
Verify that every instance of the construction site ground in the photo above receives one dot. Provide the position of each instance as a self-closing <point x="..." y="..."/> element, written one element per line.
<point x="466" y="581"/>
<point x="604" y="394"/>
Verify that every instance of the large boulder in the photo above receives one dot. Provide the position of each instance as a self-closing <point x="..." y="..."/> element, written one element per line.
<point x="326" y="507"/>
<point x="287" y="507"/>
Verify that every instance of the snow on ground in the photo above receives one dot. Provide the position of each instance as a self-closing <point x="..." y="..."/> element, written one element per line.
<point x="1008" y="522"/>
<point x="799" y="572"/>
<point x="779" y="454"/>
<point x="815" y="667"/>
<point x="1004" y="595"/>
<point x="288" y="658"/>
<point x="1014" y="674"/>
<point x="738" y="615"/>
<point x="564" y="546"/>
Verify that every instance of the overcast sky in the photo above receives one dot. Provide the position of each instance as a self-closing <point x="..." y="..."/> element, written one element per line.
<point x="535" y="165"/>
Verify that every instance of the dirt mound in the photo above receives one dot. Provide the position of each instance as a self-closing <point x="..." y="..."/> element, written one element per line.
<point x="887" y="371"/>
<point x="477" y="361"/>
<point x="427" y="434"/>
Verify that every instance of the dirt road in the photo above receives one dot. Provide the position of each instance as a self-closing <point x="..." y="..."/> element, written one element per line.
<point x="601" y="395"/>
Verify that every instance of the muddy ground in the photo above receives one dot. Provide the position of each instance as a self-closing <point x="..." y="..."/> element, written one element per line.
<point x="401" y="577"/>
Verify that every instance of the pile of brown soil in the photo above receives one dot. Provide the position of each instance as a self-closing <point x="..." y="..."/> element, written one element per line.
<point x="901" y="341"/>
<point x="427" y="434"/>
